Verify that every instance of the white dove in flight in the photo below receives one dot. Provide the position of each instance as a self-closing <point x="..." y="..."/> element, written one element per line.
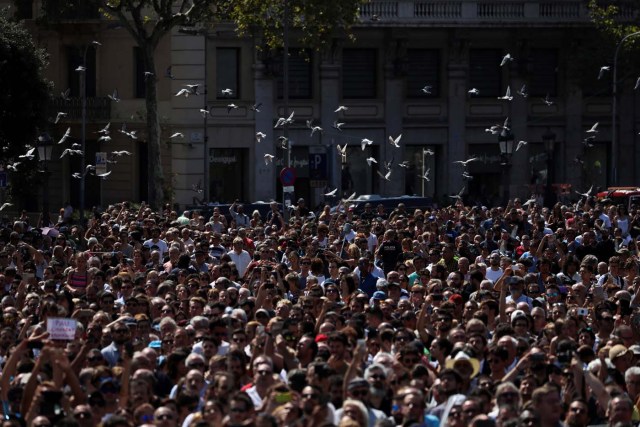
<point x="521" y="144"/>
<point x="603" y="70"/>
<point x="66" y="135"/>
<point x="395" y="142"/>
<point x="507" y="96"/>
<point x="365" y="142"/>
<point x="505" y="59"/>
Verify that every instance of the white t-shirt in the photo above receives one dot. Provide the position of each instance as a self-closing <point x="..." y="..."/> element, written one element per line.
<point x="493" y="275"/>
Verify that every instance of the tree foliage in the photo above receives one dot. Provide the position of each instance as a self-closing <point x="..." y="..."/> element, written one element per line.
<point x="23" y="100"/>
<point x="314" y="21"/>
<point x="592" y="48"/>
<point x="611" y="29"/>
<point x="606" y="17"/>
<point x="148" y="21"/>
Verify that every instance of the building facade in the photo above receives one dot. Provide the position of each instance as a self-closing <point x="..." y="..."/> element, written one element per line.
<point x="409" y="72"/>
<point x="401" y="48"/>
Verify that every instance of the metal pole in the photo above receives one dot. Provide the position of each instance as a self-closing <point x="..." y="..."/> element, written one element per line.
<point x="285" y="94"/>
<point x="548" y="188"/>
<point x="45" y="194"/>
<point x="422" y="179"/>
<point x="83" y="92"/>
<point x="205" y="171"/>
<point x="614" y="113"/>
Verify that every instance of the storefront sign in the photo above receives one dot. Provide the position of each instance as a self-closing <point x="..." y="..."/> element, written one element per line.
<point x="101" y="163"/>
<point x="225" y="160"/>
<point x="295" y="162"/>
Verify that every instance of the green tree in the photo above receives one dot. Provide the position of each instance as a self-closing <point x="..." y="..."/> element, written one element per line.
<point x="23" y="102"/>
<point x="148" y="21"/>
<point x="314" y="21"/>
<point x="613" y="25"/>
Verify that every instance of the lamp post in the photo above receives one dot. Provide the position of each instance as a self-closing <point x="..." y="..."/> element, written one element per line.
<point x="505" y="141"/>
<point x="83" y="91"/>
<point x="614" y="112"/>
<point x="205" y="124"/>
<point x="549" y="139"/>
<point x="423" y="180"/>
<point x="285" y="96"/>
<point x="45" y="148"/>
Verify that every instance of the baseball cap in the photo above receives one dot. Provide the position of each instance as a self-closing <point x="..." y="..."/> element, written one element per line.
<point x="379" y="295"/>
<point x="516" y="314"/>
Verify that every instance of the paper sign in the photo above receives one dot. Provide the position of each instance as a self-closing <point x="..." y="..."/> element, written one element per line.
<point x="61" y="328"/>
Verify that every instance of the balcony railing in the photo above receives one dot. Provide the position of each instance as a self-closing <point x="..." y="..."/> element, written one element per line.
<point x="98" y="109"/>
<point x="473" y="12"/>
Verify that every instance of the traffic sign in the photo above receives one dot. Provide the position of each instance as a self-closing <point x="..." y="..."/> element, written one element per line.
<point x="288" y="176"/>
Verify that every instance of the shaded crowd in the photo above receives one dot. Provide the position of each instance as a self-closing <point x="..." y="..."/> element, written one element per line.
<point x="438" y="317"/>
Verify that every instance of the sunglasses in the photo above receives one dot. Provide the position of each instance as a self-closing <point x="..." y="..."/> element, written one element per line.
<point x="359" y="393"/>
<point x="195" y="365"/>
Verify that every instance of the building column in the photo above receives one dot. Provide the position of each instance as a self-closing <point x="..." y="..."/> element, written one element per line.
<point x="571" y="142"/>
<point x="450" y="176"/>
<point x="264" y="176"/>
<point x="188" y="65"/>
<point x="626" y="136"/>
<point x="393" y="112"/>
<point x="520" y="168"/>
<point x="329" y="101"/>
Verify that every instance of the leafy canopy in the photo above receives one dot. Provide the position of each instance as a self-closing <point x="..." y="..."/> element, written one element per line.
<point x="23" y="101"/>
<point x="25" y="92"/>
<point x="314" y="21"/>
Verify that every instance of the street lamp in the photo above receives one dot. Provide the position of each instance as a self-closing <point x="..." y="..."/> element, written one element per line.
<point x="549" y="139"/>
<point x="285" y="94"/>
<point x="614" y="112"/>
<point x="83" y="91"/>
<point x="505" y="141"/>
<point x="45" y="148"/>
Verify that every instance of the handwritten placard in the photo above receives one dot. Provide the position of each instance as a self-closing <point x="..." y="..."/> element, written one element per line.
<point x="61" y="328"/>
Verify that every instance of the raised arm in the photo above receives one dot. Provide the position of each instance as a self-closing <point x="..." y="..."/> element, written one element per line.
<point x="500" y="285"/>
<point x="423" y="324"/>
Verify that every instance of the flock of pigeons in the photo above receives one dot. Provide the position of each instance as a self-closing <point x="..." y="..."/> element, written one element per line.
<point x="283" y="142"/>
<point x="76" y="149"/>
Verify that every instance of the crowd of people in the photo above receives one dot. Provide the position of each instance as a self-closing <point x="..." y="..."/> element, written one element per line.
<point x="438" y="317"/>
